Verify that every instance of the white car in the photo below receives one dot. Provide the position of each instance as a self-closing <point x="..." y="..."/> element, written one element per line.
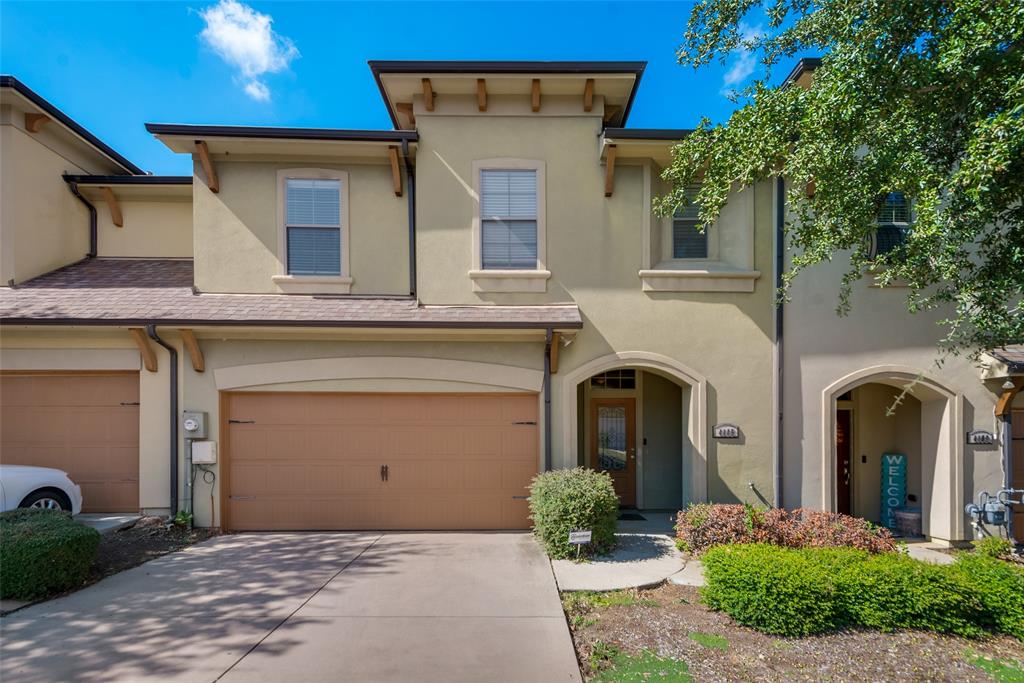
<point x="22" y="486"/>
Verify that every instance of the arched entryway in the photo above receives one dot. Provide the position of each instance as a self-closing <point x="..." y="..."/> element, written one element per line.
<point x="642" y="417"/>
<point x="891" y="439"/>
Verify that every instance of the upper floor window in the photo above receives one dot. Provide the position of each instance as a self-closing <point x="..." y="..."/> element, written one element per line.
<point x="313" y="226"/>
<point x="893" y="224"/>
<point x="508" y="219"/>
<point x="689" y="241"/>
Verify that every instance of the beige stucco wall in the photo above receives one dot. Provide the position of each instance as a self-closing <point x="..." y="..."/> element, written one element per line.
<point x="595" y="250"/>
<point x="662" y="469"/>
<point x="821" y="348"/>
<point x="42" y="226"/>
<point x="155" y="229"/>
<point x="236" y="232"/>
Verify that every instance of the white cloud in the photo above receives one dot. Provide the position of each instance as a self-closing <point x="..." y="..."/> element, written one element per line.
<point x="245" y="39"/>
<point x="746" y="61"/>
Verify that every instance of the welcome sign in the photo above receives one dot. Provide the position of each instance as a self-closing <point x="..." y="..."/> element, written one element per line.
<point x="894" y="486"/>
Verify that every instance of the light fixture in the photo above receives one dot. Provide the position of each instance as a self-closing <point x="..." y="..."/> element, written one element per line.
<point x="1008" y="384"/>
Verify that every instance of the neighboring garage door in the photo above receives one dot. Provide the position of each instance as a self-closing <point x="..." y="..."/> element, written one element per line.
<point x="86" y="424"/>
<point x="380" y="461"/>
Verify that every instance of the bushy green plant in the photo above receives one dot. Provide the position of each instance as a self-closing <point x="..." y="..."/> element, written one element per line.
<point x="572" y="500"/>
<point x="999" y="586"/>
<point x="993" y="546"/>
<point x="894" y="591"/>
<point x="776" y="590"/>
<point x="43" y="552"/>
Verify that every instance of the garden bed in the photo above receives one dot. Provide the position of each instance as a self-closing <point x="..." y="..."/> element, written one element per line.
<point x="615" y="629"/>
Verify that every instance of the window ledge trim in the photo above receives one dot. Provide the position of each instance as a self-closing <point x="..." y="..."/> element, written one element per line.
<point x="698" y="280"/>
<point x="510" y="280"/>
<point x="314" y="284"/>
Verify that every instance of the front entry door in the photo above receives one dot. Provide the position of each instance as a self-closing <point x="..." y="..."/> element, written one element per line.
<point x="613" y="444"/>
<point x="843" y="461"/>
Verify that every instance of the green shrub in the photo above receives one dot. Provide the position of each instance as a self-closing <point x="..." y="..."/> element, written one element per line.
<point x="999" y="587"/>
<point x="894" y="591"/>
<point x="782" y="591"/>
<point x="572" y="500"/>
<point x="993" y="546"/>
<point x="43" y="552"/>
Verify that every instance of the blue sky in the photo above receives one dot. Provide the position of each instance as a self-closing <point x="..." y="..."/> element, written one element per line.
<point x="114" y="66"/>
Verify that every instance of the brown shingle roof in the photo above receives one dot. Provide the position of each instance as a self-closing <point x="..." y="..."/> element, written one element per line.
<point x="1013" y="356"/>
<point x="141" y="291"/>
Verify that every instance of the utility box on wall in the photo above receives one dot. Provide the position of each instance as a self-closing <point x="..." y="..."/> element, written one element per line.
<point x="193" y="423"/>
<point x="204" y="452"/>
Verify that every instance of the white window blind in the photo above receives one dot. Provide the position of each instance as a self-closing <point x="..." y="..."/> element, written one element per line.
<point x="313" y="223"/>
<point x="688" y="240"/>
<point x="508" y="219"/>
<point x="893" y="223"/>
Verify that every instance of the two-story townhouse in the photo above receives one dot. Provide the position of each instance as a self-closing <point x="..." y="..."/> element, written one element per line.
<point x="398" y="329"/>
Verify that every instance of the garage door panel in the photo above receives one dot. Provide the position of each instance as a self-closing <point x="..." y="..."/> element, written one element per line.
<point x="454" y="461"/>
<point x="84" y="424"/>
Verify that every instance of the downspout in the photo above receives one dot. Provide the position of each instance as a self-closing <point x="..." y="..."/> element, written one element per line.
<point x="780" y="264"/>
<point x="92" y="218"/>
<point x="1008" y="464"/>
<point x="151" y="331"/>
<point x="410" y="176"/>
<point x="548" y="337"/>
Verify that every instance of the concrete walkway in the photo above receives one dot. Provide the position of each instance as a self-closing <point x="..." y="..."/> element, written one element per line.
<point x="640" y="560"/>
<point x="307" y="607"/>
<point x="107" y="522"/>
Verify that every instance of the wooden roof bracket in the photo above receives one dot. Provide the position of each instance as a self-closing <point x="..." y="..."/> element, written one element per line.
<point x="1005" y="403"/>
<point x="145" y="348"/>
<point x="35" y="122"/>
<point x="116" y="217"/>
<point x="203" y="152"/>
<point x="481" y="94"/>
<point x="396" y="171"/>
<point x="406" y="108"/>
<point x="188" y="337"/>
<point x="588" y="95"/>
<point x="535" y="95"/>
<point x="428" y="95"/>
<point x="609" y="171"/>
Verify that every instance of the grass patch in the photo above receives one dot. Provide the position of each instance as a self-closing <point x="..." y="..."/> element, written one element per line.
<point x="612" y="665"/>
<point x="710" y="640"/>
<point x="1003" y="670"/>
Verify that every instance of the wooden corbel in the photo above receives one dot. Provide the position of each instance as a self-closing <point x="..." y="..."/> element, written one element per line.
<point x="535" y="95"/>
<point x="406" y="108"/>
<point x="609" y="171"/>
<point x="481" y="94"/>
<point x="428" y="95"/>
<point x="588" y="95"/>
<point x="188" y="337"/>
<point x="610" y="112"/>
<point x="1005" y="403"/>
<point x="35" y="122"/>
<point x="145" y="348"/>
<point x="396" y="172"/>
<point x="203" y="152"/>
<point x="115" y="208"/>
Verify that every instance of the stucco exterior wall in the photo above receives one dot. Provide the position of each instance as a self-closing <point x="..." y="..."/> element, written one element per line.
<point x="236" y="232"/>
<point x="821" y="348"/>
<point x="153" y="229"/>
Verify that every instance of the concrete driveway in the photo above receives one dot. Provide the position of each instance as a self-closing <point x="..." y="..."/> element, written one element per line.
<point x="307" y="607"/>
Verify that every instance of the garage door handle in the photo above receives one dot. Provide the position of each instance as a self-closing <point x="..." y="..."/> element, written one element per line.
<point x="129" y="403"/>
<point x="526" y="422"/>
<point x="383" y="472"/>
<point x="242" y="497"/>
<point x="241" y="422"/>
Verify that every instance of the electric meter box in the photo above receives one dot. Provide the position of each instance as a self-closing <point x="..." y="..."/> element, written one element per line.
<point x="193" y="423"/>
<point x="204" y="452"/>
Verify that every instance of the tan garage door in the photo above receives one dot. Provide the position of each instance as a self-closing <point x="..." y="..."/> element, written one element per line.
<point x="380" y="461"/>
<point x="85" y="424"/>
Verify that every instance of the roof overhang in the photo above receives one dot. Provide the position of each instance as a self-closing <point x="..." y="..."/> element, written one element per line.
<point x="802" y="73"/>
<point x="274" y="141"/>
<point x="642" y="143"/>
<point x="13" y="91"/>
<point x="401" y="81"/>
<point x="133" y="187"/>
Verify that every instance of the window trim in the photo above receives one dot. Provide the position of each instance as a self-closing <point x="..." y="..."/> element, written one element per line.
<point x="668" y="244"/>
<point x="511" y="280"/>
<point x="312" y="284"/>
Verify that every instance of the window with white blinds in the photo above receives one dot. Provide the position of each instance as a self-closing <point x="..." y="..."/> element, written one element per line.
<point x="313" y="224"/>
<point x="893" y="221"/>
<point x="688" y="240"/>
<point x="508" y="219"/>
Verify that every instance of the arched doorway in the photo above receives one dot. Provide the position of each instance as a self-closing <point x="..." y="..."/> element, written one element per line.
<point x="891" y="441"/>
<point x="641" y="416"/>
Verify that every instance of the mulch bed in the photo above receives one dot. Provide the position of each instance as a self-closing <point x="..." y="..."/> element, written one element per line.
<point x="148" y="539"/>
<point x="852" y="655"/>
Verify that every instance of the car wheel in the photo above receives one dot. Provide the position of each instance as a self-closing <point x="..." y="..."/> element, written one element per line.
<point x="47" y="499"/>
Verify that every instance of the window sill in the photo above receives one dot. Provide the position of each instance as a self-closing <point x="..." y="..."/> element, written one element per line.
<point x="698" y="280"/>
<point x="313" y="284"/>
<point x="510" y="280"/>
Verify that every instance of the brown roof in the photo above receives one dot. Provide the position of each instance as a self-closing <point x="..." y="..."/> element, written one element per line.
<point x="141" y="291"/>
<point x="1013" y="356"/>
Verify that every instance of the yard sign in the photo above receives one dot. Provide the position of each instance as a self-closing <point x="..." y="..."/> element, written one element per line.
<point x="894" y="486"/>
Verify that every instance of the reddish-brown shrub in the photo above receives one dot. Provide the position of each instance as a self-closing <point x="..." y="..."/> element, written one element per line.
<point x="700" y="527"/>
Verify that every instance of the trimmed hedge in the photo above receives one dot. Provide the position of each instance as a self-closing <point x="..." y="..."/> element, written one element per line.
<point x="43" y="552"/>
<point x="705" y="525"/>
<point x="572" y="500"/>
<point x="798" y="592"/>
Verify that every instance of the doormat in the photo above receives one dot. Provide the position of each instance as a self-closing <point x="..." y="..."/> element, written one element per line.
<point x="631" y="517"/>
